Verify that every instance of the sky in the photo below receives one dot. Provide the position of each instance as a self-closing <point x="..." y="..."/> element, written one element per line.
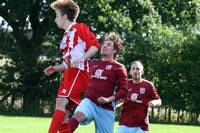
<point x="4" y="25"/>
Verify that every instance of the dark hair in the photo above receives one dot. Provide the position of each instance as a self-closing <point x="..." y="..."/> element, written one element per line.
<point x="68" y="7"/>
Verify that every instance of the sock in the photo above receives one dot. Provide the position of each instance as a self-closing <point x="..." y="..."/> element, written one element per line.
<point x="65" y="128"/>
<point x="73" y="123"/>
<point x="57" y="120"/>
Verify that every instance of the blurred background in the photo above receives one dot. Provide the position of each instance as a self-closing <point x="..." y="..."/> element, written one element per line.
<point x="163" y="34"/>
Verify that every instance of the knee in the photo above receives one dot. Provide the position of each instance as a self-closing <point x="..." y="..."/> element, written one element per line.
<point x="61" y="103"/>
<point x="79" y="116"/>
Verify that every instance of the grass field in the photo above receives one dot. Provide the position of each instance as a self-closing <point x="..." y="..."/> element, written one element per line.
<point x="15" y="124"/>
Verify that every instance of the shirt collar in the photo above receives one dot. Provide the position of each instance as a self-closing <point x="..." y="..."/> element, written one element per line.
<point x="70" y="27"/>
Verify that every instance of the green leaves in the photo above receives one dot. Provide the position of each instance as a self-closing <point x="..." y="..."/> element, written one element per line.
<point x="162" y="34"/>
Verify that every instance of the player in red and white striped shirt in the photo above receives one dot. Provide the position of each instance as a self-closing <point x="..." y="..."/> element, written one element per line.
<point x="77" y="46"/>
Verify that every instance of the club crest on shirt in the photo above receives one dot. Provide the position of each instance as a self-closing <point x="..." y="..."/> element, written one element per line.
<point x="108" y="67"/>
<point x="142" y="90"/>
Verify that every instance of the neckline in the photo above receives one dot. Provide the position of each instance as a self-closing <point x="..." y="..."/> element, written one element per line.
<point x="70" y="27"/>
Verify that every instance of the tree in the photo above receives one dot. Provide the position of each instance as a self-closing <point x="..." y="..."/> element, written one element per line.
<point x="30" y="21"/>
<point x="33" y="41"/>
<point x="159" y="33"/>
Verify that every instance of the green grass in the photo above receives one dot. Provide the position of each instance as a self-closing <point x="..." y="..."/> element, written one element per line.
<point x="16" y="124"/>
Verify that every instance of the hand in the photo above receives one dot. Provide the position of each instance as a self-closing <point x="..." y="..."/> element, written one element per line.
<point x="49" y="70"/>
<point x="103" y="100"/>
<point x="119" y="103"/>
<point x="151" y="104"/>
<point x="149" y="110"/>
<point x="155" y="103"/>
<point x="78" y="61"/>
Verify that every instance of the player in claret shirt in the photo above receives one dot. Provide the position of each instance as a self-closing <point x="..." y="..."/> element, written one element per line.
<point x="78" y="44"/>
<point x="141" y="95"/>
<point x="108" y="83"/>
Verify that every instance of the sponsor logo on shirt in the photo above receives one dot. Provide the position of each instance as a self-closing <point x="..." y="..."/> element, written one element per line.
<point x="98" y="74"/>
<point x="95" y="66"/>
<point x="134" y="96"/>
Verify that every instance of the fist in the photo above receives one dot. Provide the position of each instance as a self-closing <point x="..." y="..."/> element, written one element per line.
<point x="49" y="70"/>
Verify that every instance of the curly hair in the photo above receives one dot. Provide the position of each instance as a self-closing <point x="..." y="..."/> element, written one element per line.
<point x="68" y="7"/>
<point x="115" y="38"/>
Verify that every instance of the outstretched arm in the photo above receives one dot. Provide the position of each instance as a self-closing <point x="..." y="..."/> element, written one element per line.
<point x="52" y="69"/>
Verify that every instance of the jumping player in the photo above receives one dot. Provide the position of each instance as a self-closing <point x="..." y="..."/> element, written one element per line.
<point x="108" y="83"/>
<point x="141" y="95"/>
<point x="77" y="46"/>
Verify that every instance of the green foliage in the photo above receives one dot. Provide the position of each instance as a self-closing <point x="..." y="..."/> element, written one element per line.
<point x="23" y="72"/>
<point x="179" y="13"/>
<point x="164" y="35"/>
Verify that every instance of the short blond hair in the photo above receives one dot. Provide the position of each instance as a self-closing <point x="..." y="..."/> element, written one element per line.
<point x="68" y="7"/>
<point x="138" y="62"/>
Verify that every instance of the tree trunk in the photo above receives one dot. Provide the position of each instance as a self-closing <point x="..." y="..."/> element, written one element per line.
<point x="158" y="114"/>
<point x="152" y="113"/>
<point x="169" y="115"/>
<point x="196" y="118"/>
<point x="182" y="116"/>
<point x="178" y="116"/>
<point x="165" y="116"/>
<point x="31" y="105"/>
<point x="11" y="102"/>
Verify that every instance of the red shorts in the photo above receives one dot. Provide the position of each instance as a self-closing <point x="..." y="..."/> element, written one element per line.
<point x="74" y="83"/>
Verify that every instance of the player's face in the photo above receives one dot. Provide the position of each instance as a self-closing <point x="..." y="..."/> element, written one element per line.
<point x="60" y="20"/>
<point x="136" y="71"/>
<point x="107" y="49"/>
